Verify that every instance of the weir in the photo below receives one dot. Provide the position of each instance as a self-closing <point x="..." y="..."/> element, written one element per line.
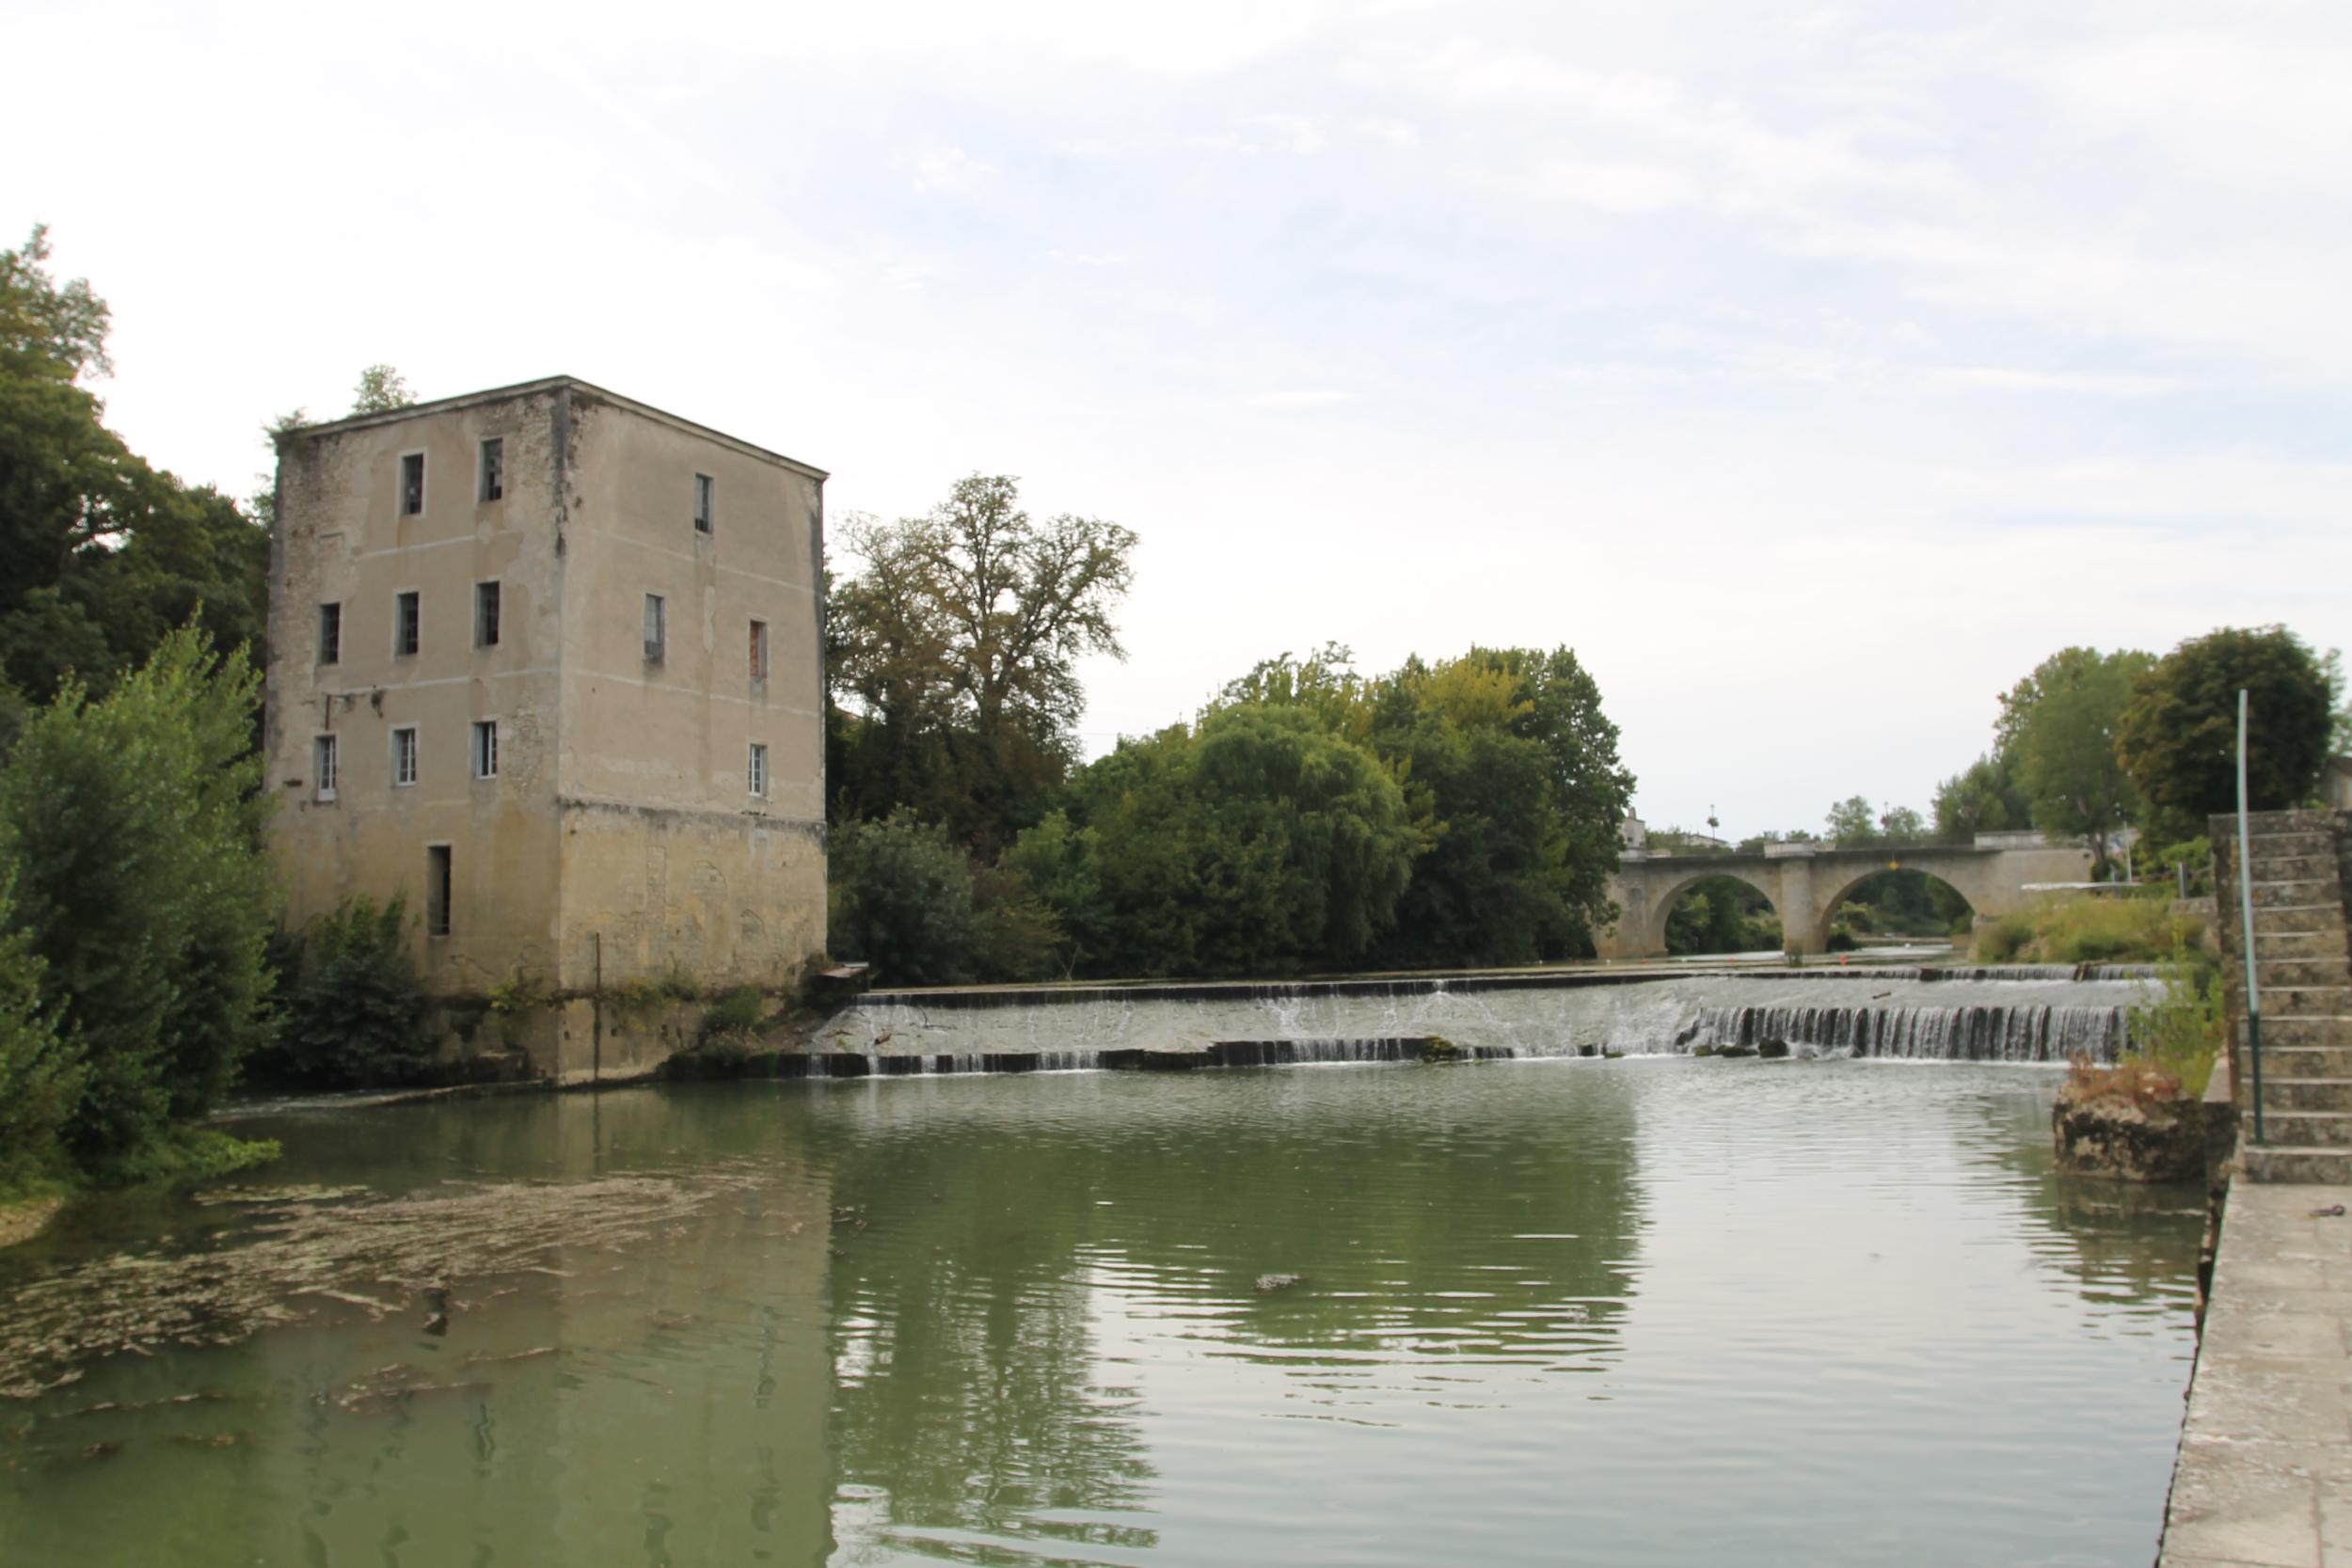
<point x="2020" y="1013"/>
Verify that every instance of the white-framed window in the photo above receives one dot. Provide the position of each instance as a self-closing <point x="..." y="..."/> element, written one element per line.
<point x="330" y="634"/>
<point x="706" y="501"/>
<point x="403" y="754"/>
<point x="324" y="763"/>
<point x="411" y="483"/>
<point x="759" y="651"/>
<point x="758" y="771"/>
<point x="407" y="624"/>
<point x="436" y="881"/>
<point x="485" y="614"/>
<point x="485" y="748"/>
<point x="493" y="469"/>
<point x="656" y="627"/>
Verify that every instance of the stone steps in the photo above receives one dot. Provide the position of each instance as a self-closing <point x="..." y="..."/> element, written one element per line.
<point x="2317" y="865"/>
<point x="2285" y="1063"/>
<point x="2305" y="1129"/>
<point x="2283" y="974"/>
<point x="2303" y="1165"/>
<point x="2290" y="919"/>
<point x="2281" y="1092"/>
<point x="2296" y="841"/>
<point x="2314" y="1029"/>
<point x="2301" y="893"/>
<point x="2291" y="946"/>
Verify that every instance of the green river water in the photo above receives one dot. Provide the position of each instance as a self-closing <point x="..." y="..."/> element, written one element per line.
<point x="1665" y="1311"/>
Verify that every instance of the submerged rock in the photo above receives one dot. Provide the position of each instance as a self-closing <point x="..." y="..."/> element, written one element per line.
<point x="1772" y="1051"/>
<point x="1269" y="1283"/>
<point x="1737" y="1051"/>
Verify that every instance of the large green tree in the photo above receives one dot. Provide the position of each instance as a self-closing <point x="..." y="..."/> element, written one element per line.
<point x="956" y="654"/>
<point x="2060" y="725"/>
<point x="2178" y="736"/>
<point x="101" y="555"/>
<point x="1985" y="797"/>
<point x="133" y="825"/>
<point x="1258" y="843"/>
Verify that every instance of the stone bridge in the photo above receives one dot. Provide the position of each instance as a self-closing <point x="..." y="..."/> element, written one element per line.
<point x="1808" y="881"/>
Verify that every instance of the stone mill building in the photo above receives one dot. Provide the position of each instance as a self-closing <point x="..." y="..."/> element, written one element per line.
<point x="547" y="661"/>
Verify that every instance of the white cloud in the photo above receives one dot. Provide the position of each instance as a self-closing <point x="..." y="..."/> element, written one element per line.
<point x="1312" y="397"/>
<point x="1994" y="378"/>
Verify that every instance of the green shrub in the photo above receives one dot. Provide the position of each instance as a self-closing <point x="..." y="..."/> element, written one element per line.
<point x="735" y="1015"/>
<point x="902" y="901"/>
<point x="517" y="994"/>
<point x="39" y="1074"/>
<point x="2177" y="1026"/>
<point x="357" y="1014"/>
<point x="2093" y="929"/>
<point x="133" y="824"/>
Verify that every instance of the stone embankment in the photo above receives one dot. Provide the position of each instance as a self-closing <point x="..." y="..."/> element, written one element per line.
<point x="2264" y="1474"/>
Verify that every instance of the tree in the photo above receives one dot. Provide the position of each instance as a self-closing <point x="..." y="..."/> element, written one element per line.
<point x="380" y="389"/>
<point x="356" y="1010"/>
<point x="1259" y="843"/>
<point x="132" y="823"/>
<point x="2060" y="725"/>
<point x="100" y="554"/>
<point x="39" y="1074"/>
<point x="1984" y="799"/>
<point x="2178" y="737"/>
<point x="1853" y="821"/>
<point x="958" y="647"/>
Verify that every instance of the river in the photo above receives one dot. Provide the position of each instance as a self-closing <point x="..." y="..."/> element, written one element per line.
<point x="1646" y="1312"/>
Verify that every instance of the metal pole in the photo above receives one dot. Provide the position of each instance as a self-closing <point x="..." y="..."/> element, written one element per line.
<point x="2246" y="924"/>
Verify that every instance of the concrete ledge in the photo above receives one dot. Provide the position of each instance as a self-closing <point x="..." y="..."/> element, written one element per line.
<point x="2264" y="1474"/>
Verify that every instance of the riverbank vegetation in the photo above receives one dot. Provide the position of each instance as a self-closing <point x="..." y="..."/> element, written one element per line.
<point x="2135" y="927"/>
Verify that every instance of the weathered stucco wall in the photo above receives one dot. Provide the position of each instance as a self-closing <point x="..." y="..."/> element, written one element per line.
<point x="670" y="862"/>
<point x="621" y="837"/>
<point x="343" y="538"/>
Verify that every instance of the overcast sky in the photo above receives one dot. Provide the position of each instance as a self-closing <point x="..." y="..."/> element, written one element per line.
<point x="1812" y="370"/>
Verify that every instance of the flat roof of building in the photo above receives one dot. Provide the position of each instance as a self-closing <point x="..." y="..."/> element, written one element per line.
<point x="549" y="383"/>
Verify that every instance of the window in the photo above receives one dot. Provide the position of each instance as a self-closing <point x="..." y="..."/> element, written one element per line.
<point x="759" y="770"/>
<point x="493" y="469"/>
<point x="330" y="634"/>
<point x="322" y="764"/>
<point x="655" y="638"/>
<point x="485" y="749"/>
<point x="407" y="625"/>
<point x="404" y="755"/>
<point x="703" y="497"/>
<point x="485" y="614"/>
<point x="759" y="650"/>
<point x="437" y="890"/>
<point x="411" y="483"/>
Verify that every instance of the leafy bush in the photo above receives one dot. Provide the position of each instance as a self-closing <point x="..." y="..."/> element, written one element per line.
<point x="2099" y="929"/>
<point x="132" y="823"/>
<point x="2177" y="1026"/>
<point x="902" y="901"/>
<point x="735" y="1015"/>
<point x="2179" y="736"/>
<point x="357" y="1014"/>
<point x="39" y="1074"/>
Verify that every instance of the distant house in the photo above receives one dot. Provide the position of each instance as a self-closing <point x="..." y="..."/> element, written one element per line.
<point x="545" y="661"/>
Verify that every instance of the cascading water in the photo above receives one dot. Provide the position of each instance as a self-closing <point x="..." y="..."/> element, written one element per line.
<point x="2020" y="1013"/>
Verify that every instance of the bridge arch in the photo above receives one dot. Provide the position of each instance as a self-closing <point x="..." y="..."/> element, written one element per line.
<point x="1676" y="887"/>
<point x="1837" y="890"/>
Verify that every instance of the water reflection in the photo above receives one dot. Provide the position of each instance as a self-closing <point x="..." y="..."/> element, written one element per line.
<point x="1667" y="1311"/>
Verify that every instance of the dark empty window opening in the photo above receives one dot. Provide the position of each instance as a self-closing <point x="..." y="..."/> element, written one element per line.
<point x="703" y="503"/>
<point x="759" y="650"/>
<point x="656" y="635"/>
<point x="330" y="634"/>
<point x="485" y="614"/>
<point x="437" y="889"/>
<point x="493" y="469"/>
<point x="407" y="625"/>
<point x="412" y="483"/>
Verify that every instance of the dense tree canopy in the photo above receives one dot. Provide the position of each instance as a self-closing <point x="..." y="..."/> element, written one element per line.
<point x="101" y="555"/>
<point x="2178" y="737"/>
<point x="954" y="655"/>
<point x="2058" y="725"/>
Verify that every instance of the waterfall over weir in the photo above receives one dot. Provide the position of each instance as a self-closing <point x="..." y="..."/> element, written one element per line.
<point x="2027" y="1013"/>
